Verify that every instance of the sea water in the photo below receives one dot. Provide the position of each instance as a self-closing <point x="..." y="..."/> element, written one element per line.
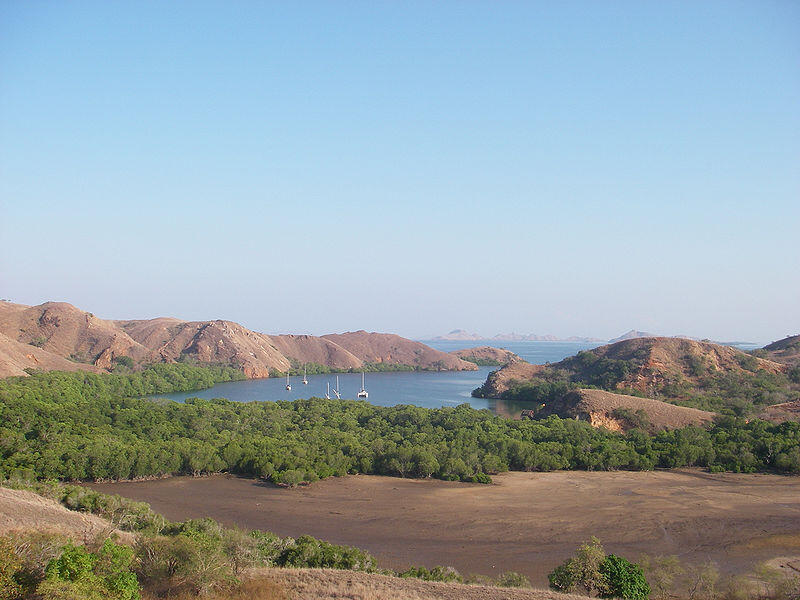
<point x="420" y="388"/>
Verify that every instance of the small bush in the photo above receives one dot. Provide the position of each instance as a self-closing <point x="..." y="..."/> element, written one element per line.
<point x="437" y="573"/>
<point x="39" y="341"/>
<point x="607" y="576"/>
<point x="623" y="579"/>
<point x="513" y="579"/>
<point x="82" y="574"/>
<point x="307" y="551"/>
<point x="10" y="569"/>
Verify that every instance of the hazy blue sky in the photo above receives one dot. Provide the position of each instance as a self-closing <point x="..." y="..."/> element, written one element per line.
<point x="550" y="167"/>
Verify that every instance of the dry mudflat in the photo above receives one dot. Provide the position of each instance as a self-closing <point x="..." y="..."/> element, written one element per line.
<point x="526" y="522"/>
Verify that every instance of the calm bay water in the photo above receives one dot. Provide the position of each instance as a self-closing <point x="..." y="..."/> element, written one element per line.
<point x="420" y="388"/>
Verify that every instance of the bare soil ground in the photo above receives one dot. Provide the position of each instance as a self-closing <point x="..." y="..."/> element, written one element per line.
<point x="526" y="522"/>
<point x="325" y="584"/>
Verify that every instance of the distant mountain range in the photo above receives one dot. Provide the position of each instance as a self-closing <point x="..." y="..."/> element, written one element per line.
<point x="465" y="336"/>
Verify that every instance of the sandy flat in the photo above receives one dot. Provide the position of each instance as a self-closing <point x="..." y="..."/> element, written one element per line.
<point x="526" y="522"/>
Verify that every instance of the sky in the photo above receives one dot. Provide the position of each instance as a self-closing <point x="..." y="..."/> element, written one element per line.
<point x="567" y="168"/>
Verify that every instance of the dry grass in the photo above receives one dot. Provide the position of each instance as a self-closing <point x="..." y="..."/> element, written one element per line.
<point x="258" y="588"/>
<point x="21" y="510"/>
<point x="329" y="584"/>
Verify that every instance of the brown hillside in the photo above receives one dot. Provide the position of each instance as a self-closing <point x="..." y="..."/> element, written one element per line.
<point x="15" y="357"/>
<point x="486" y="355"/>
<point x="208" y="341"/>
<point x="69" y="332"/>
<point x="652" y="363"/>
<point x="311" y="349"/>
<point x="392" y="349"/>
<point x="780" y="413"/>
<point x="65" y="332"/>
<point x="507" y="376"/>
<point x="663" y="360"/>
<point x="21" y="510"/>
<point x="785" y="351"/>
<point x="603" y="409"/>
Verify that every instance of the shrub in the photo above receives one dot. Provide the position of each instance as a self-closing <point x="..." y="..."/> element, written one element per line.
<point x="661" y="572"/>
<point x="123" y="361"/>
<point x="182" y="563"/>
<point x="39" y="341"/>
<point x="623" y="579"/>
<point x="607" y="576"/>
<point x="83" y="574"/>
<point x="292" y="477"/>
<point x="10" y="569"/>
<point x="582" y="570"/>
<point x="307" y="551"/>
<point x="437" y="573"/>
<point x="513" y="579"/>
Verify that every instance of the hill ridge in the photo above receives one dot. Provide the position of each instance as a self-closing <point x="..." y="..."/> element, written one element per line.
<point x="60" y="336"/>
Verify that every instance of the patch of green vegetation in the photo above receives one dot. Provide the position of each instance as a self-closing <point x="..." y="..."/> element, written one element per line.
<point x="483" y="362"/>
<point x="596" y="573"/>
<point x="82" y="358"/>
<point x="48" y="567"/>
<point x="74" y="426"/>
<point x="123" y="361"/>
<point x="600" y="371"/>
<point x="632" y="418"/>
<point x="312" y="368"/>
<point x="39" y="341"/>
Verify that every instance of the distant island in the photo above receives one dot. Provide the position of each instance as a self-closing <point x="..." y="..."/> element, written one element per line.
<point x="463" y="335"/>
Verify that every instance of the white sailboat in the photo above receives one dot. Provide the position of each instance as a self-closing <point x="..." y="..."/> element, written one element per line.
<point x="328" y="392"/>
<point x="288" y="385"/>
<point x="363" y="393"/>
<point x="305" y="379"/>
<point x="336" y="391"/>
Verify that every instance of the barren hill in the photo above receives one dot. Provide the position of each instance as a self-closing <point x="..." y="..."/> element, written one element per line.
<point x="15" y="357"/>
<point x="780" y="413"/>
<point x="786" y="350"/>
<point x="59" y="336"/>
<point x="21" y="510"/>
<point x="619" y="412"/>
<point x="392" y="349"/>
<point x="486" y="355"/>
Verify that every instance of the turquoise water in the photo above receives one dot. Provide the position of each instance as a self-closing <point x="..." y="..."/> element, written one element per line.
<point x="420" y="388"/>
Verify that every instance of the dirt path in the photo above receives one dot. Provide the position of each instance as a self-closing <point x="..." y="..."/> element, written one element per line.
<point x="526" y="522"/>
